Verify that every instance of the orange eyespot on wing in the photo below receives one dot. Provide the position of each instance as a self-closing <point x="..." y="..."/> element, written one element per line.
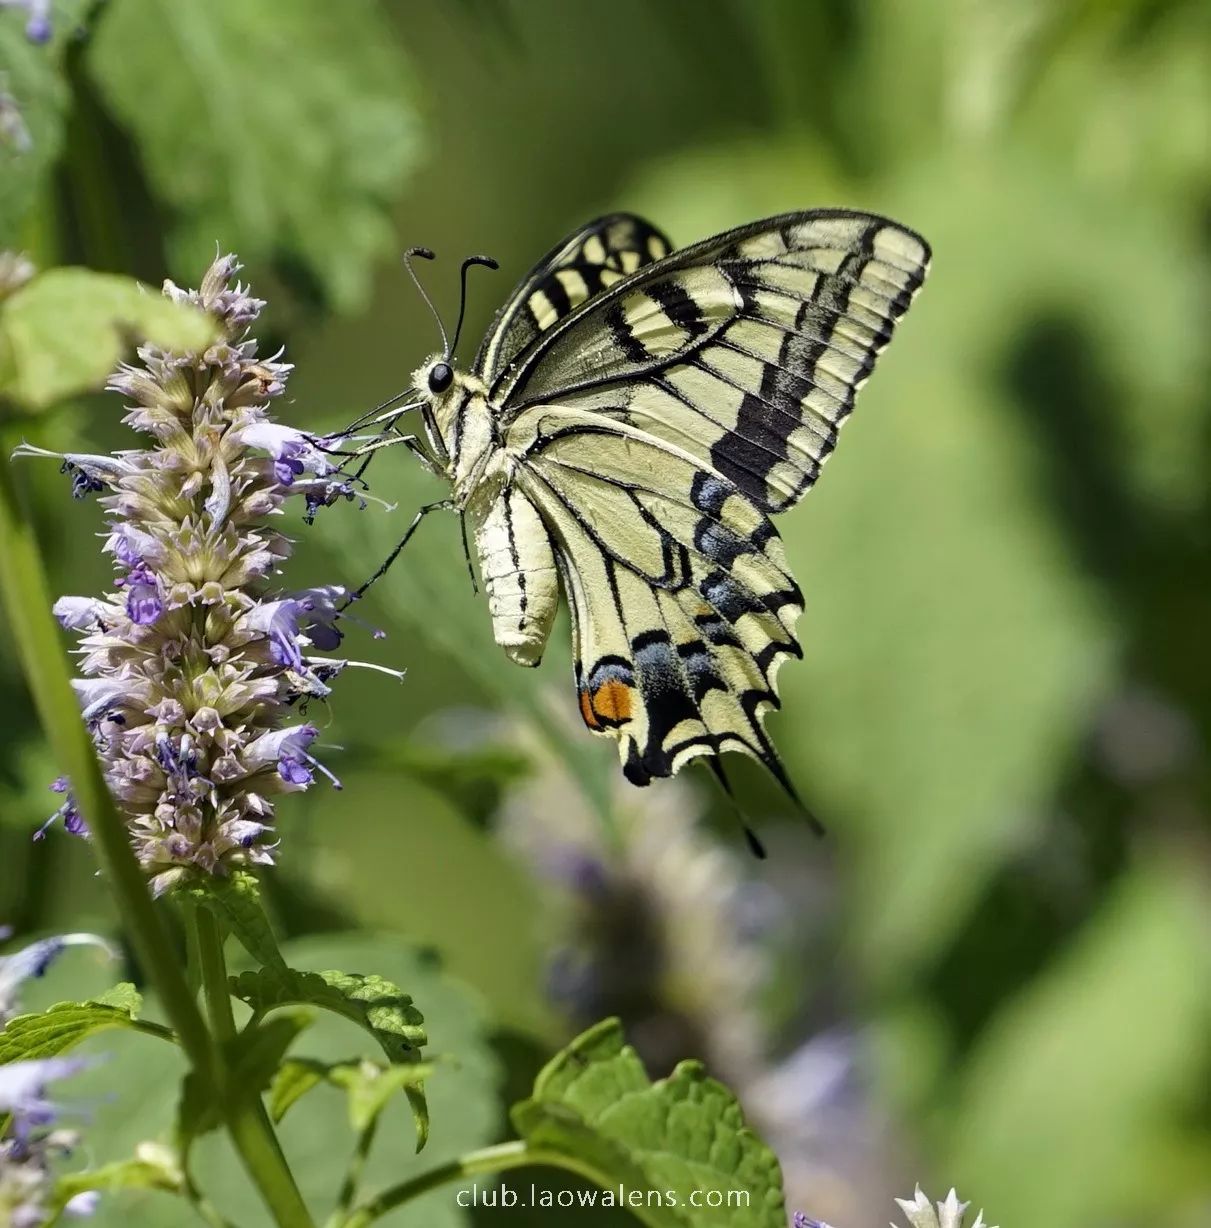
<point x="606" y="695"/>
<point x="612" y="702"/>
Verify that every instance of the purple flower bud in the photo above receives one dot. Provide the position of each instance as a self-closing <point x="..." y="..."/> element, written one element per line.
<point x="38" y="28"/>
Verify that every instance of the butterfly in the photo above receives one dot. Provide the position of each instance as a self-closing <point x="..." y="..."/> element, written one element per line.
<point x="631" y="422"/>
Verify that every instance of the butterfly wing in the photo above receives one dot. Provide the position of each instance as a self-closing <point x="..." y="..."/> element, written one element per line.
<point x="587" y="262"/>
<point x="746" y="350"/>
<point x="659" y="424"/>
<point x="682" y="604"/>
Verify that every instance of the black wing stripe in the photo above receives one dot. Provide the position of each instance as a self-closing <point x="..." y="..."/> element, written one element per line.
<point x="728" y="597"/>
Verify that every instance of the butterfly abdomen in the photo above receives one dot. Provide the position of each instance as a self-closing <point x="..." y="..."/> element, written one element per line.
<point x="518" y="569"/>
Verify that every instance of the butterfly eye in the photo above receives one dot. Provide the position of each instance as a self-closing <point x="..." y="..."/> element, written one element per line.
<point x="440" y="377"/>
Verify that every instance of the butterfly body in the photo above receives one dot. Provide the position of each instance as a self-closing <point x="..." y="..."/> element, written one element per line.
<point x="630" y="424"/>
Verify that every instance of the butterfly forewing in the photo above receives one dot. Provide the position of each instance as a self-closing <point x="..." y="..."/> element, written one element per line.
<point x="747" y="349"/>
<point x="586" y="263"/>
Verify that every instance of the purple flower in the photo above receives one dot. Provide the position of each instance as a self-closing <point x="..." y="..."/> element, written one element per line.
<point x="293" y="451"/>
<point x="73" y="820"/>
<point x="23" y="1089"/>
<point x="143" y="601"/>
<point x="279" y="622"/>
<point x="33" y="961"/>
<point x="803" y="1221"/>
<point x="187" y="711"/>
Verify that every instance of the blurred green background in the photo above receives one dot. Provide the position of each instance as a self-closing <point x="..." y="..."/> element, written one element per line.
<point x="994" y="971"/>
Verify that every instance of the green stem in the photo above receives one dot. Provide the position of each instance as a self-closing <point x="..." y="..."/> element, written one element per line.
<point x="247" y="1121"/>
<point x="498" y="1159"/>
<point x="353" y="1174"/>
<point x="27" y="602"/>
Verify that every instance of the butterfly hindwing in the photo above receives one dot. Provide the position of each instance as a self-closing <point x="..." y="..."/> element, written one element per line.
<point x="681" y="602"/>
<point x="586" y="263"/>
<point x="746" y="350"/>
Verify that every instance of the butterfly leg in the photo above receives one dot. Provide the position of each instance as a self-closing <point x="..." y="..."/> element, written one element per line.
<point x="441" y="504"/>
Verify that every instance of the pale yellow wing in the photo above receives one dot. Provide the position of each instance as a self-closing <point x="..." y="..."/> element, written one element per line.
<point x="682" y="605"/>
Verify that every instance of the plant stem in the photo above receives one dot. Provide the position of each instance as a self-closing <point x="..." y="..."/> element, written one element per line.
<point x="498" y="1159"/>
<point x="27" y="601"/>
<point x="353" y="1174"/>
<point x="247" y="1121"/>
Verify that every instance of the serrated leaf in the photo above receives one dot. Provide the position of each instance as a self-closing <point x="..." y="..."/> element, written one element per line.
<point x="59" y="1028"/>
<point x="465" y="1100"/>
<point x="65" y="331"/>
<point x="369" y="1001"/>
<point x="124" y="996"/>
<point x="236" y="901"/>
<point x="373" y="1003"/>
<point x="595" y="1104"/>
<point x="235" y="148"/>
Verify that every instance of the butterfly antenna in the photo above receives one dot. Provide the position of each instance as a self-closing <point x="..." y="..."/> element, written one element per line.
<point x="425" y="254"/>
<point x="488" y="263"/>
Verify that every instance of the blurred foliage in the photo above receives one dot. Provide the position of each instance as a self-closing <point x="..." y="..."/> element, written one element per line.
<point x="1003" y="714"/>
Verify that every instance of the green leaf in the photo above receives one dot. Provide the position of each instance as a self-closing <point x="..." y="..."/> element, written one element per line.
<point x="234" y="147"/>
<point x="124" y="996"/>
<point x="368" y="1085"/>
<point x="236" y="901"/>
<point x="465" y="1101"/>
<point x="292" y="1082"/>
<point x="65" y="331"/>
<point x="154" y="1167"/>
<point x="371" y="1002"/>
<point x="594" y="1104"/>
<point x="61" y="1027"/>
<point x="254" y="1056"/>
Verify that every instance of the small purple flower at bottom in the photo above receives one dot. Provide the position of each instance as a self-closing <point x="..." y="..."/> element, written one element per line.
<point x="23" y="1089"/>
<point x="804" y="1221"/>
